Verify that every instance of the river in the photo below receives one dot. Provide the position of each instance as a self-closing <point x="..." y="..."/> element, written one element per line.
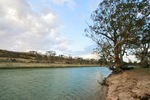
<point x="52" y="83"/>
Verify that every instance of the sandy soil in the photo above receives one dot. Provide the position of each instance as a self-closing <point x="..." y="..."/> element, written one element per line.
<point x="129" y="85"/>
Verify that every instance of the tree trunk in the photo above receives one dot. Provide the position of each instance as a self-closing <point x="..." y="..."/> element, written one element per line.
<point x="117" y="59"/>
<point x="145" y="64"/>
<point x="144" y="59"/>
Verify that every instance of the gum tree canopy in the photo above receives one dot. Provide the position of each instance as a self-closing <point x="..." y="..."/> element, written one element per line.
<point x="142" y="45"/>
<point x="115" y="25"/>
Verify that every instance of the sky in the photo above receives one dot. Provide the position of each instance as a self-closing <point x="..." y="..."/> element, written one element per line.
<point x="47" y="25"/>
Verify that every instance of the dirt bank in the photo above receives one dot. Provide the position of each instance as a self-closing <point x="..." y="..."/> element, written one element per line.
<point x="129" y="85"/>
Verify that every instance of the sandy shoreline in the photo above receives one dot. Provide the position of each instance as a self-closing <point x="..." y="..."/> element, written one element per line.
<point x="129" y="85"/>
<point x="41" y="65"/>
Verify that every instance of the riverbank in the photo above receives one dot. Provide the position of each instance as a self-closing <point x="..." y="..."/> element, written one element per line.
<point x="129" y="85"/>
<point x="40" y="65"/>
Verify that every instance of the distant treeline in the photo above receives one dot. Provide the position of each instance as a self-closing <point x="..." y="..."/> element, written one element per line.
<point x="48" y="57"/>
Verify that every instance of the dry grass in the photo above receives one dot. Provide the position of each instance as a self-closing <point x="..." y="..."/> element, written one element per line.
<point x="39" y="65"/>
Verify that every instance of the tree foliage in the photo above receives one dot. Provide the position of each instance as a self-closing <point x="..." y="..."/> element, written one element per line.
<point x="115" y="25"/>
<point x="142" y="44"/>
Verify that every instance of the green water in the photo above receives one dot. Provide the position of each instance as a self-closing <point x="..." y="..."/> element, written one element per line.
<point x="51" y="83"/>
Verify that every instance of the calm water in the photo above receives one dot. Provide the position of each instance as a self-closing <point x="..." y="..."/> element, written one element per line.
<point x="51" y="83"/>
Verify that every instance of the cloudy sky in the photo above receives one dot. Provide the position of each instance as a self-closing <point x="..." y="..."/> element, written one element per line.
<point x="44" y="25"/>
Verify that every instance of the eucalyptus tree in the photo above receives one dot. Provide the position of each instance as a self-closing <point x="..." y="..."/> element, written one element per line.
<point x="142" y="45"/>
<point x="104" y="50"/>
<point x="115" y="22"/>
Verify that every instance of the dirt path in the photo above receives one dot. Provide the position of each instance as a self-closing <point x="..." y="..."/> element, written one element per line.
<point x="129" y="85"/>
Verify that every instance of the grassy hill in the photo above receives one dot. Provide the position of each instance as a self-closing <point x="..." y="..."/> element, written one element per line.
<point x="35" y="57"/>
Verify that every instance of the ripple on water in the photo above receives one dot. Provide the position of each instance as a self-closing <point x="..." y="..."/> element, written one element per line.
<point x="51" y="84"/>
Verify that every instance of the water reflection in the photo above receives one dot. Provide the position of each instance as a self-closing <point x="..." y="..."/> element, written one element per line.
<point x="51" y="83"/>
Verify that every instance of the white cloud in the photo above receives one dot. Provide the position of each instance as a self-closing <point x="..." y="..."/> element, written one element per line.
<point x="32" y="25"/>
<point x="24" y="28"/>
<point x="70" y="3"/>
<point x="93" y="4"/>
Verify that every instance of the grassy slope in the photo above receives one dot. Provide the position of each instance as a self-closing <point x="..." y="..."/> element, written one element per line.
<point x="10" y="59"/>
